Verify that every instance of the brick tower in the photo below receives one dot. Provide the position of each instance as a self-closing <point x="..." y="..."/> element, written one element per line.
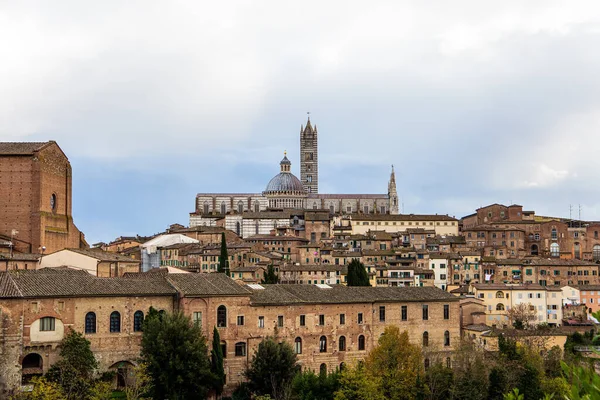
<point x="309" y="158"/>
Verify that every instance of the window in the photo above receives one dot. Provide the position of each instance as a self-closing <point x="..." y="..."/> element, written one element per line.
<point x="224" y="349"/>
<point x="425" y="312"/>
<point x="47" y="324"/>
<point x="303" y="320"/>
<point x="298" y="345"/>
<point x="205" y="206"/>
<point x="323" y="344"/>
<point x="361" y="342"/>
<point x="240" y="320"/>
<point x="342" y="343"/>
<point x="138" y="319"/>
<point x="554" y="250"/>
<point x="499" y="307"/>
<point x="323" y="369"/>
<point x="342" y="319"/>
<point x="322" y="319"/>
<point x="197" y="318"/>
<point x="115" y="322"/>
<point x="425" y="339"/>
<point x="360" y="318"/>
<point x="240" y="207"/>
<point x="261" y="322"/>
<point x="446" y="311"/>
<point x="554" y="234"/>
<point x="446" y="338"/>
<point x="221" y="316"/>
<point x="240" y="349"/>
<point x="223" y="208"/>
<point x="90" y="322"/>
<point x="280" y="321"/>
<point x="381" y="313"/>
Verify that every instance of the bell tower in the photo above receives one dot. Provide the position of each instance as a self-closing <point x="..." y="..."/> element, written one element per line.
<point x="393" y="194"/>
<point x="309" y="158"/>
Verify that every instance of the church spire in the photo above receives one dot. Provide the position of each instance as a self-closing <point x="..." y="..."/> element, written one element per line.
<point x="392" y="193"/>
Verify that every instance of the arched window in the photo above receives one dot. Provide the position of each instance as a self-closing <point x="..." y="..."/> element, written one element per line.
<point x="554" y="250"/>
<point x="240" y="349"/>
<point x="342" y="343"/>
<point x="240" y="207"/>
<point x="256" y="227"/>
<point x="224" y="348"/>
<point x="32" y="366"/>
<point x="298" y="345"/>
<point x="366" y="208"/>
<point x="138" y="319"/>
<point x="315" y="206"/>
<point x="90" y="322"/>
<point x="425" y="339"/>
<point x="447" y="338"/>
<point x="331" y="208"/>
<point x="223" y="208"/>
<point x="499" y="294"/>
<point x="342" y="366"/>
<point x="221" y="317"/>
<point x="322" y="344"/>
<point x="205" y="206"/>
<point x="596" y="252"/>
<point x="554" y="234"/>
<point x="361" y="342"/>
<point x="499" y="307"/>
<point x="115" y="322"/>
<point x="256" y="206"/>
<point x="323" y="369"/>
<point x="534" y="250"/>
<point x="348" y="208"/>
<point x="238" y="228"/>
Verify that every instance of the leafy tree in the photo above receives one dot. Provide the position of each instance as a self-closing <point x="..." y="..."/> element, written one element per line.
<point x="439" y="380"/>
<point x="101" y="390"/>
<point x="470" y="373"/>
<point x="270" y="276"/>
<point x="140" y="386"/>
<point x="552" y="360"/>
<point x="43" y="389"/>
<point x="514" y="395"/>
<point x="521" y="315"/>
<point x="584" y="381"/>
<point x="223" y="258"/>
<point x="272" y="369"/>
<point x="75" y="370"/>
<point x="176" y="356"/>
<point x="309" y="386"/>
<point x="216" y="357"/>
<point x="498" y="383"/>
<point x="357" y="384"/>
<point x="397" y="362"/>
<point x="357" y="274"/>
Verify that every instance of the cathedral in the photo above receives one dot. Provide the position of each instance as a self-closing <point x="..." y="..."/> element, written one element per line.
<point x="286" y="198"/>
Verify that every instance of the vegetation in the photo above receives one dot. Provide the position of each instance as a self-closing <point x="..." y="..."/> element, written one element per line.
<point x="357" y="274"/>
<point x="309" y="386"/>
<point x="176" y="356"/>
<point x="216" y="358"/>
<point x="272" y="369"/>
<point x="224" y="257"/>
<point x="270" y="276"/>
<point x="140" y="386"/>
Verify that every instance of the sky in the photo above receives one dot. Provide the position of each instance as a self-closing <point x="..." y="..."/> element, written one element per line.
<point x="473" y="102"/>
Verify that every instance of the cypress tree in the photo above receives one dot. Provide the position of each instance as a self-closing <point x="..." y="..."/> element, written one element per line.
<point x="223" y="258"/>
<point x="216" y="358"/>
<point x="357" y="274"/>
<point x="270" y="276"/>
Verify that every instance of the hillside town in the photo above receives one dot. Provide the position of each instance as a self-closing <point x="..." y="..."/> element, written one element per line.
<point x="441" y="278"/>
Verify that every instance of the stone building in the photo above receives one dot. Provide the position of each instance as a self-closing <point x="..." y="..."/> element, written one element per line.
<point x="327" y="325"/>
<point x="36" y="198"/>
<point x="242" y="212"/>
<point x="94" y="261"/>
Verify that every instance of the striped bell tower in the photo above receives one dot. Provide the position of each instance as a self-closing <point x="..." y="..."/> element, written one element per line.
<point x="309" y="158"/>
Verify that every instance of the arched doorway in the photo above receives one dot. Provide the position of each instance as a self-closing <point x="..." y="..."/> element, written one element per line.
<point x="124" y="372"/>
<point x="32" y="366"/>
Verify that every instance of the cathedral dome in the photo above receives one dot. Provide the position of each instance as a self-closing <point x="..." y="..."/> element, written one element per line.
<point x="284" y="182"/>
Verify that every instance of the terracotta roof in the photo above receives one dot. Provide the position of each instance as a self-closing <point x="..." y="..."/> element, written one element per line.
<point x="338" y="294"/>
<point x="100" y="255"/>
<point x="21" y="148"/>
<point x="401" y="217"/>
<point x="21" y="257"/>
<point x="207" y="284"/>
<point x="50" y="282"/>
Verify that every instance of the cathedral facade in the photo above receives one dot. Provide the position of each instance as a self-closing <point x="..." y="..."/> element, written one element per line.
<point x="286" y="197"/>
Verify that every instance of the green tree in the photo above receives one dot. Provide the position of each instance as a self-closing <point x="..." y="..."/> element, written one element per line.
<point x="498" y="383"/>
<point x="272" y="369"/>
<point x="309" y="386"/>
<point x="357" y="384"/>
<point x="470" y="373"/>
<point x="439" y="380"/>
<point x="514" y="395"/>
<point x="223" y="258"/>
<point x="216" y="357"/>
<point x="270" y="276"/>
<point x="357" y="274"/>
<point x="584" y="381"/>
<point x="42" y="390"/>
<point x="140" y="386"/>
<point x="176" y="356"/>
<point x="397" y="363"/>
<point x="75" y="370"/>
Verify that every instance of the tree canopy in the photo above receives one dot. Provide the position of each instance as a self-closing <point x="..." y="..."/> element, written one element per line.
<point x="176" y="356"/>
<point x="224" y="257"/>
<point x="357" y="274"/>
<point x="270" y="276"/>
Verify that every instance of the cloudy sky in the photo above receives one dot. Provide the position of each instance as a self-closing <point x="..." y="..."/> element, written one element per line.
<point x="154" y="102"/>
